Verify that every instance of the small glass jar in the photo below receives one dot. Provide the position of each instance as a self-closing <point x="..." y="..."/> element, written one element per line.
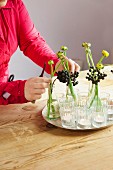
<point x="67" y="113"/>
<point x="84" y="118"/>
<point x="99" y="116"/>
<point x="53" y="112"/>
<point x="82" y="99"/>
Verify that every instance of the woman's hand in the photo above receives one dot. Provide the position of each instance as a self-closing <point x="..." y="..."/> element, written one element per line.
<point x="35" y="87"/>
<point x="73" y="66"/>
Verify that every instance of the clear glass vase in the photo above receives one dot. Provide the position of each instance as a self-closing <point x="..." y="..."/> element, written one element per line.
<point x="73" y="93"/>
<point x="97" y="98"/>
<point x="99" y="116"/>
<point x="94" y="100"/>
<point x="53" y="109"/>
<point x="52" y="104"/>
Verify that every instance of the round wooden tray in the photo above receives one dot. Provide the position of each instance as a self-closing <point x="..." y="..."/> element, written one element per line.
<point x="57" y="123"/>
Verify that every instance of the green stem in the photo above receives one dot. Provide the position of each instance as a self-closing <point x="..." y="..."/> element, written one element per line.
<point x="99" y="104"/>
<point x="50" y="100"/>
<point x="92" y="100"/>
<point x="87" y="58"/>
<point x="72" y="90"/>
<point x="95" y="97"/>
<point x="100" y="61"/>
<point x="67" y="66"/>
<point x="64" y="65"/>
<point x="57" y="68"/>
<point x="91" y="59"/>
<point x="64" y="53"/>
<point x="91" y="90"/>
<point x="67" y="92"/>
<point x="70" y="85"/>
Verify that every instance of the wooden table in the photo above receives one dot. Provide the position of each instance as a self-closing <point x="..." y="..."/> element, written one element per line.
<point x="27" y="142"/>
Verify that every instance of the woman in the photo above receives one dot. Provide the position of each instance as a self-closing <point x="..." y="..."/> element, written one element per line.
<point x="17" y="29"/>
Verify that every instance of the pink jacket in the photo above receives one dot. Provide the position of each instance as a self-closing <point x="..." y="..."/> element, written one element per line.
<point x="17" y="29"/>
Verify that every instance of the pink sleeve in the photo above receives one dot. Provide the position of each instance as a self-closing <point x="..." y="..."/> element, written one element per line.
<point x="16" y="91"/>
<point x="31" y="43"/>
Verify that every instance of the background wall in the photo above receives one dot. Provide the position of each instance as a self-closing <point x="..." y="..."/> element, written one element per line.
<point x="68" y="22"/>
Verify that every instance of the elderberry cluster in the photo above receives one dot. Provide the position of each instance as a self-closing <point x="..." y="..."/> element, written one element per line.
<point x="95" y="75"/>
<point x="64" y="76"/>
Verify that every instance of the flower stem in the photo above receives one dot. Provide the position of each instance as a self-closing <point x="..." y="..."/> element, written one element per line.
<point x="95" y="100"/>
<point x="92" y="62"/>
<point x="50" y="100"/>
<point x="56" y="68"/>
<point x="87" y="58"/>
<point x="70" y="84"/>
<point x="101" y="59"/>
<point x="72" y="90"/>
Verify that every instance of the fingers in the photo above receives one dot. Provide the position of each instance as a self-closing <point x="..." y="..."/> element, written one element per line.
<point x="35" y="87"/>
<point x="77" y="67"/>
<point x="73" y="66"/>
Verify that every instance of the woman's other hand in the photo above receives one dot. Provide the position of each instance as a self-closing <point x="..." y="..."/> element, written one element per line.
<point x="35" y="87"/>
<point x="73" y="66"/>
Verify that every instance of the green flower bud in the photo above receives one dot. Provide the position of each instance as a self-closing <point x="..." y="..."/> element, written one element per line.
<point x="83" y="44"/>
<point x="100" y="66"/>
<point x="64" y="48"/>
<point x="86" y="45"/>
<point x="50" y="62"/>
<point x="105" y="53"/>
<point x="60" y="54"/>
